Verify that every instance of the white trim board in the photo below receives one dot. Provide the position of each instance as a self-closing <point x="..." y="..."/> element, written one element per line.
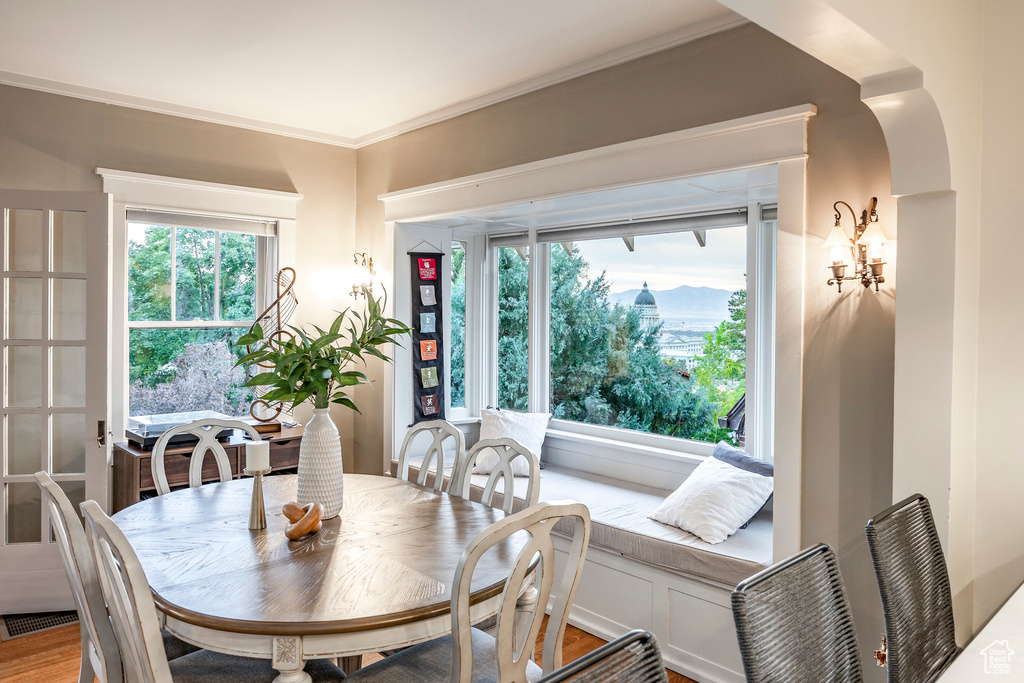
<point x="740" y="143"/>
<point x="182" y="194"/>
<point x="643" y="48"/>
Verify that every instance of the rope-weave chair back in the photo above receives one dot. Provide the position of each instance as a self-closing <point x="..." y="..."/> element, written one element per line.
<point x="914" y="585"/>
<point x="632" y="658"/>
<point x="440" y="432"/>
<point x="794" y="623"/>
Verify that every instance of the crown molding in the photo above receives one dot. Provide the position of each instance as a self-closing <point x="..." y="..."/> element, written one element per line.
<point x="159" y="107"/>
<point x="686" y="34"/>
<point x="666" y="41"/>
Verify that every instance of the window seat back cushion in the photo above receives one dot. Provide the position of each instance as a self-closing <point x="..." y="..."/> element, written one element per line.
<point x="528" y="429"/>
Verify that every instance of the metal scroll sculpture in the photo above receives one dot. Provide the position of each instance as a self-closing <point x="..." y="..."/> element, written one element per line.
<point x="272" y="321"/>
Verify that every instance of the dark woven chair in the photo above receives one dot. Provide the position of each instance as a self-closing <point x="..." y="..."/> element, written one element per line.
<point x="914" y="584"/>
<point x="632" y="658"/>
<point x="794" y="623"/>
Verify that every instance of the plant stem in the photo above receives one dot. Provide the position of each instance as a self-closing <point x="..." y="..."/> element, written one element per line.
<point x="322" y="399"/>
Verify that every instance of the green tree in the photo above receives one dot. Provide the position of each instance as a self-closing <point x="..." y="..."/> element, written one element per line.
<point x="721" y="368"/>
<point x="458" y="328"/>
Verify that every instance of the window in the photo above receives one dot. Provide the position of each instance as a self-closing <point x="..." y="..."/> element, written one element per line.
<point x="643" y="333"/>
<point x="195" y="284"/>
<point x="649" y="337"/>
<point x="513" y="316"/>
<point x="458" y="326"/>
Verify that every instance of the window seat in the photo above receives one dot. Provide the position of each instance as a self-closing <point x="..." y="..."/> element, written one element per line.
<point x="620" y="524"/>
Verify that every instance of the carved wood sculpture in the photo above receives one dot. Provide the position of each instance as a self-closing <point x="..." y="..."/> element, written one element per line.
<point x="272" y="321"/>
<point x="305" y="519"/>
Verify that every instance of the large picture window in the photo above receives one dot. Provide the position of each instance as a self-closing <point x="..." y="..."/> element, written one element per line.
<point x="194" y="284"/>
<point x="651" y="338"/>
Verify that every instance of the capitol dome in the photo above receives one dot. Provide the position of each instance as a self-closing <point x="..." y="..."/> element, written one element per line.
<point x="648" y="308"/>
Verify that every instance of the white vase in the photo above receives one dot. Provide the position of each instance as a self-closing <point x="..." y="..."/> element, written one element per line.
<point x="321" y="479"/>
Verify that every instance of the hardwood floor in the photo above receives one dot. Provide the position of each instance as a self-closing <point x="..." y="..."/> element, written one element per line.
<point x="52" y="656"/>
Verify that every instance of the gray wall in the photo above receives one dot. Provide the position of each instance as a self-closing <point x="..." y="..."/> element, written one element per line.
<point x="50" y="142"/>
<point x="848" y="339"/>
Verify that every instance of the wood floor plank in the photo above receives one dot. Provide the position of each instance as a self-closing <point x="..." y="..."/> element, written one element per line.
<point x="53" y="656"/>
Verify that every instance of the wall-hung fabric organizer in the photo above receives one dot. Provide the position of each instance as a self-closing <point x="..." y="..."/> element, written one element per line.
<point x="428" y="380"/>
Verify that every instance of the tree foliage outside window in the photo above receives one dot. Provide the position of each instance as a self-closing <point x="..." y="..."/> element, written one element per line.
<point x="458" y="327"/>
<point x="173" y="369"/>
<point x="605" y="368"/>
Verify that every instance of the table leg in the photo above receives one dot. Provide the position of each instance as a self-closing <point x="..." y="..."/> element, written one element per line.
<point x="350" y="664"/>
<point x="526" y="605"/>
<point x="288" y="661"/>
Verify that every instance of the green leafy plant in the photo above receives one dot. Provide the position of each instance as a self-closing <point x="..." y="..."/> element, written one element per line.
<point x="307" y="366"/>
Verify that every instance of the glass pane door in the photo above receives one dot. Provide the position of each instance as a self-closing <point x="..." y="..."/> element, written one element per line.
<point x="54" y="389"/>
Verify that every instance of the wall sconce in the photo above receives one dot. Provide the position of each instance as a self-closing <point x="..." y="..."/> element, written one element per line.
<point x="865" y="248"/>
<point x="364" y="266"/>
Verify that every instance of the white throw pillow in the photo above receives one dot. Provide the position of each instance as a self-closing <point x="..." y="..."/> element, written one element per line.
<point x="526" y="428"/>
<point x="715" y="500"/>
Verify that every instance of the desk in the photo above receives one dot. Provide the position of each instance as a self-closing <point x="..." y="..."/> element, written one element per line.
<point x="133" y="476"/>
<point x="998" y="649"/>
<point x="377" y="577"/>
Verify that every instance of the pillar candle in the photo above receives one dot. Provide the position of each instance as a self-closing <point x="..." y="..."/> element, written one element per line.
<point x="257" y="455"/>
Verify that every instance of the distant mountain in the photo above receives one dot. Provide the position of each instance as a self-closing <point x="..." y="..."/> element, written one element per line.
<point x="689" y="303"/>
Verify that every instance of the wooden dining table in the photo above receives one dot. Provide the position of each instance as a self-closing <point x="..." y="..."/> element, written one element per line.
<point x="377" y="577"/>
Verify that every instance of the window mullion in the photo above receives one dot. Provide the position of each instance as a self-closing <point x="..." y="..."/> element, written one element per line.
<point x="216" y="275"/>
<point x="174" y="274"/>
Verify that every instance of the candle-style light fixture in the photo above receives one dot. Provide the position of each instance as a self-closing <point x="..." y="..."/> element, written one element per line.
<point x="865" y="249"/>
<point x="364" y="265"/>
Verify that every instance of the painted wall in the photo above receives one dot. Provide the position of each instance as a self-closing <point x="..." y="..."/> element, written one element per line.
<point x="848" y="338"/>
<point x="50" y="142"/>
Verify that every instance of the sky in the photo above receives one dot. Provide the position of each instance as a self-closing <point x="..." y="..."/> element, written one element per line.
<point x="668" y="261"/>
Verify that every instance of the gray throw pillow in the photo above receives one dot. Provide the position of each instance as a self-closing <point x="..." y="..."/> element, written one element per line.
<point x="736" y="457"/>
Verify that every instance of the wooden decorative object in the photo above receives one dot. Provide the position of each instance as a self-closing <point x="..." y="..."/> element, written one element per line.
<point x="273" y="321"/>
<point x="305" y="519"/>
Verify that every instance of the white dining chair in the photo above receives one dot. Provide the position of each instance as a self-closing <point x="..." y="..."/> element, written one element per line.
<point x="206" y="431"/>
<point x="507" y="450"/>
<point x="472" y="656"/>
<point x="136" y="624"/>
<point x="100" y="657"/>
<point x="440" y="432"/>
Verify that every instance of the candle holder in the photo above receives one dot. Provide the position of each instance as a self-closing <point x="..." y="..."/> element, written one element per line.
<point x="257" y="512"/>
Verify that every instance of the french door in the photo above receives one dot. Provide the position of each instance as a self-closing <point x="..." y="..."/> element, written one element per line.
<point x="55" y="250"/>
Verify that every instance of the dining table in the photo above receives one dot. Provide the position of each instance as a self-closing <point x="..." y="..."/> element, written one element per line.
<point x="377" y="577"/>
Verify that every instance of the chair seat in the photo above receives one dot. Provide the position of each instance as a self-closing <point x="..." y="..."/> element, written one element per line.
<point x="432" y="661"/>
<point x="175" y="648"/>
<point x="205" y="666"/>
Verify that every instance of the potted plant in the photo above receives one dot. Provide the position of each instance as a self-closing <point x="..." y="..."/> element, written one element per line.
<point x="317" y="367"/>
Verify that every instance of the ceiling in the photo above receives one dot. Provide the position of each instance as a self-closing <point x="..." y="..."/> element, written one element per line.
<point x="669" y="198"/>
<point x="341" y="71"/>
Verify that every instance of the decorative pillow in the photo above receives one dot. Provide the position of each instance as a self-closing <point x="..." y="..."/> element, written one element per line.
<point x="736" y="457"/>
<point x="526" y="428"/>
<point x="715" y="500"/>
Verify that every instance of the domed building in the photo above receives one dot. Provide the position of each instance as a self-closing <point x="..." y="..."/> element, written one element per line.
<point x="648" y="308"/>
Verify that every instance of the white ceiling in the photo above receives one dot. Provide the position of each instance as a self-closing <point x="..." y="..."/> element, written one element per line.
<point x="677" y="197"/>
<point x="341" y="71"/>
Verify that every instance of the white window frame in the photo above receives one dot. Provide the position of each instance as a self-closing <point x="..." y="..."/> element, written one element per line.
<point x="776" y="137"/>
<point x="178" y="195"/>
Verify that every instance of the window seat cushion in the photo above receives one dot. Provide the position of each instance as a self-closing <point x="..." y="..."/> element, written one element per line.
<point x="619" y="514"/>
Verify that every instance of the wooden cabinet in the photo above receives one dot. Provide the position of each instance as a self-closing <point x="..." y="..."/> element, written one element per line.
<point x="133" y="474"/>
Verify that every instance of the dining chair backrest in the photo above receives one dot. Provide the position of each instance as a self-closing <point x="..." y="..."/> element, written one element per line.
<point x="206" y="431"/>
<point x="632" y="658"/>
<point x="440" y="433"/>
<point x="537" y="555"/>
<point x="507" y="450"/>
<point x="129" y="601"/>
<point x="794" y="624"/>
<point x="916" y="598"/>
<point x="100" y="656"/>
